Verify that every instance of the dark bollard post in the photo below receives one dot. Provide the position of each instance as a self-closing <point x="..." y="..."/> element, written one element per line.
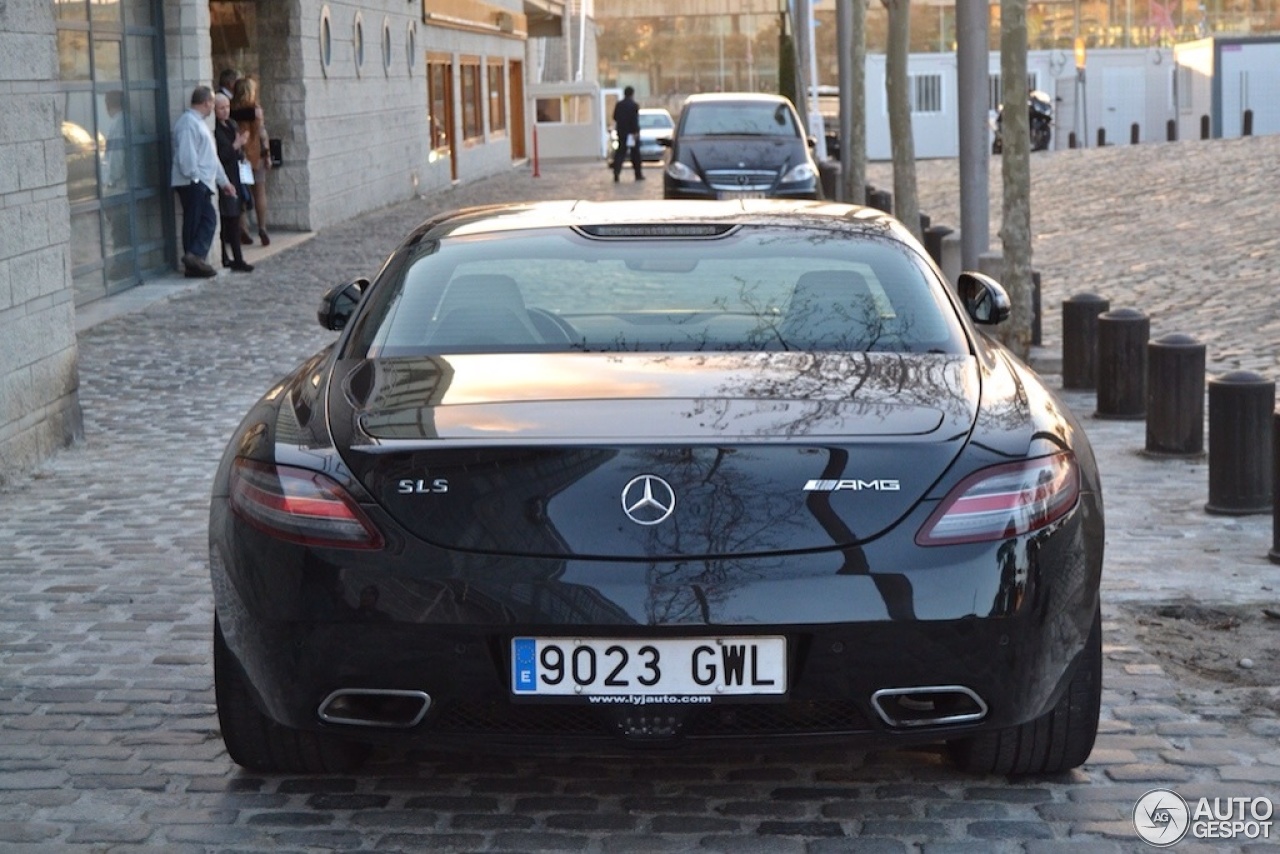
<point x="829" y="175"/>
<point x="924" y="222"/>
<point x="884" y="201"/>
<point x="1171" y="130"/>
<point x="1247" y="127"/>
<point x="1035" y="309"/>
<point x="1204" y="127"/>
<point x="1133" y="133"/>
<point x="933" y="241"/>
<point x="1122" y="364"/>
<point x="1175" y="396"/>
<point x="1274" y="554"/>
<point x="1071" y="140"/>
<point x="1080" y="339"/>
<point x="1102" y="137"/>
<point x="1241" y="405"/>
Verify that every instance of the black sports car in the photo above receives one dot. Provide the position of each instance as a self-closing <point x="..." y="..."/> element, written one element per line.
<point x="581" y="474"/>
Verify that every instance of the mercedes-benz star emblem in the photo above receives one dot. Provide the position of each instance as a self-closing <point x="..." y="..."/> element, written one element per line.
<point x="648" y="499"/>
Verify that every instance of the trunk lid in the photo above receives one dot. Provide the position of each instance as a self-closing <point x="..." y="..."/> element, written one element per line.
<point x="579" y="454"/>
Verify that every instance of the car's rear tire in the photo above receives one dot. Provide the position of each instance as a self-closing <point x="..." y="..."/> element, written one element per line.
<point x="258" y="743"/>
<point x="1057" y="741"/>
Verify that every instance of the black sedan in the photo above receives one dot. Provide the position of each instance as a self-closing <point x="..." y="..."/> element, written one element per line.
<point x="740" y="146"/>
<point x="580" y="475"/>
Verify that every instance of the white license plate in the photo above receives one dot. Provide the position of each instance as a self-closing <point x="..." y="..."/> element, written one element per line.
<point x="709" y="667"/>
<point x="739" y="194"/>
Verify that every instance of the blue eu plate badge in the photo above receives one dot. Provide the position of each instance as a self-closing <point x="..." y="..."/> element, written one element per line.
<point x="525" y="661"/>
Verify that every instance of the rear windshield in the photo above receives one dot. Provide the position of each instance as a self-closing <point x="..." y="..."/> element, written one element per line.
<point x="755" y="289"/>
<point x="738" y="119"/>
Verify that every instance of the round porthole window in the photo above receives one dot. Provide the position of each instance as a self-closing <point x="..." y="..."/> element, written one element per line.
<point x="357" y="42"/>
<point x="411" y="48"/>
<point x="386" y="46"/>
<point x="326" y="40"/>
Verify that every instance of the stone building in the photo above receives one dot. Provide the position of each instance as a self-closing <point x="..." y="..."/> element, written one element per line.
<point x="371" y="102"/>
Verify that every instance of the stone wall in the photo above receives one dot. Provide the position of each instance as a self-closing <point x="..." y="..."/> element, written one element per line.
<point x="39" y="401"/>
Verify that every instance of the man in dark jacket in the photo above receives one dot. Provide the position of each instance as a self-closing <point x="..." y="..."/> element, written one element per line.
<point x="626" y="120"/>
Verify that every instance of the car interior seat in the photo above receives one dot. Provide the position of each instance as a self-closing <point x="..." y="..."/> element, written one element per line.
<point x="831" y="310"/>
<point x="482" y="310"/>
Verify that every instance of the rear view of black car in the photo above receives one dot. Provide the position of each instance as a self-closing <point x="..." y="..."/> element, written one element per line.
<point x="740" y="146"/>
<point x="657" y="474"/>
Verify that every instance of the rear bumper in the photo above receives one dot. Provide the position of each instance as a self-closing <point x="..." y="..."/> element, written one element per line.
<point x="1005" y="622"/>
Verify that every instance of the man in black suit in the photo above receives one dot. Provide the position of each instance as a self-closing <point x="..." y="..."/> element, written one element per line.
<point x="626" y="120"/>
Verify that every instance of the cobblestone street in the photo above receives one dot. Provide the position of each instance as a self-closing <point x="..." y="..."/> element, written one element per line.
<point x="108" y="735"/>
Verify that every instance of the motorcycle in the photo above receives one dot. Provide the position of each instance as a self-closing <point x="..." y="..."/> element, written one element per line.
<point x="1040" y="109"/>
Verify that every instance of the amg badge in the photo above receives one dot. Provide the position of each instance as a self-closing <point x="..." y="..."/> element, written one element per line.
<point x="852" y="485"/>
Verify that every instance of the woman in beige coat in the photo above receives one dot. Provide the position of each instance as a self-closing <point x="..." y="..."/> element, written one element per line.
<point x="246" y="110"/>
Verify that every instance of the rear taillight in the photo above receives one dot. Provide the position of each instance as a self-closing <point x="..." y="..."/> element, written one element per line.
<point x="1004" y="501"/>
<point x="300" y="505"/>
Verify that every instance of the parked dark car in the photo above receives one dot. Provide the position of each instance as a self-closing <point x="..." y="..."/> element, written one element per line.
<point x="740" y="146"/>
<point x="658" y="473"/>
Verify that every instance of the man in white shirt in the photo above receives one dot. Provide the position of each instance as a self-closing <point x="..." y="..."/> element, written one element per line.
<point x="197" y="175"/>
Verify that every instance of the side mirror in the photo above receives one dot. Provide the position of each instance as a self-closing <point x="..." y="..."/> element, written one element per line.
<point x="812" y="140"/>
<point x="339" y="303"/>
<point x="664" y="141"/>
<point x="985" y="301"/>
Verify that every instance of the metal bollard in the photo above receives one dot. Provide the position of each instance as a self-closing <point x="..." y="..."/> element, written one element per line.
<point x="1080" y="339"/>
<point x="1122" y="364"/>
<point x="881" y="200"/>
<point x="1171" y="130"/>
<point x="1175" y="396"/>
<point x="925" y="222"/>
<point x="933" y="241"/>
<point x="1204" y="127"/>
<point x="1274" y="554"/>
<point x="1246" y="126"/>
<point x="1134" y="132"/>
<point x="1102" y="137"/>
<point x="1241" y="405"/>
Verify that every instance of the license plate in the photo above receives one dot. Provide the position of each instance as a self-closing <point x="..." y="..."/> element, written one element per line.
<point x="679" y="667"/>
<point x="739" y="194"/>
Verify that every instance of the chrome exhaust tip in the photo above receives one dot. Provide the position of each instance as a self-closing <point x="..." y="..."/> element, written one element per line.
<point x="371" y="707"/>
<point x="930" y="705"/>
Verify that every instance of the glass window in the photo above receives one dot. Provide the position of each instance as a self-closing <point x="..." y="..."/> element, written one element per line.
<point x="357" y="41"/>
<point x="105" y="12"/>
<point x="472" y="117"/>
<point x="326" y="40"/>
<point x="386" y="46"/>
<point x="411" y="48"/>
<point x="548" y="109"/>
<point x="71" y="10"/>
<point x="926" y="93"/>
<point x="73" y="55"/>
<point x="497" y="98"/>
<point x="139" y="13"/>
<point x="441" y="99"/>
<point x="106" y="60"/>
<point x="749" y="288"/>
<point x="142" y="59"/>
<point x="739" y="118"/>
<point x="86" y="241"/>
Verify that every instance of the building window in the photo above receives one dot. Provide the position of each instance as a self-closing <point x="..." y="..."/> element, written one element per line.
<point x="326" y="40"/>
<point x="440" y="99"/>
<point x="411" y="48"/>
<point x="497" y="98"/>
<point x="926" y="93"/>
<point x="386" y="46"/>
<point x="472" y="106"/>
<point x="114" y="138"/>
<point x="357" y="42"/>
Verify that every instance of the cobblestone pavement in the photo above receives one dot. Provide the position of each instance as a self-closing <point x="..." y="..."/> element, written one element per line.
<point x="108" y="738"/>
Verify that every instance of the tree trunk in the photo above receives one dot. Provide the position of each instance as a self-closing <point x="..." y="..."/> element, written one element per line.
<point x="1015" y="228"/>
<point x="906" y="204"/>
<point x="853" y="128"/>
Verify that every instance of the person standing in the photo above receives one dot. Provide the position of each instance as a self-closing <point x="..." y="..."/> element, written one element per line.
<point x="196" y="176"/>
<point x="626" y="121"/>
<point x="247" y="112"/>
<point x="231" y="141"/>
<point x="227" y="82"/>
